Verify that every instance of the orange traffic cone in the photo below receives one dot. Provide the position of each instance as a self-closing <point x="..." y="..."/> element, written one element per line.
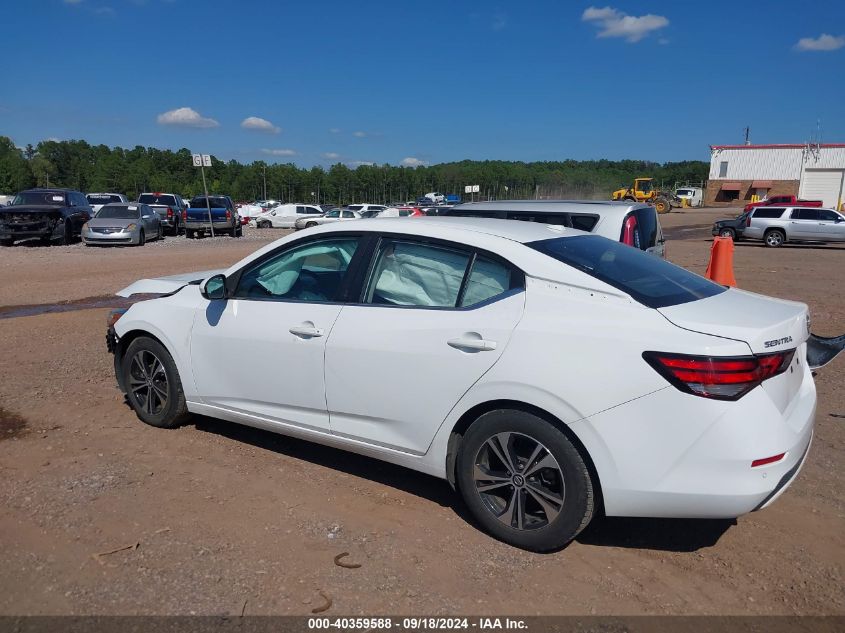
<point x="721" y="266"/>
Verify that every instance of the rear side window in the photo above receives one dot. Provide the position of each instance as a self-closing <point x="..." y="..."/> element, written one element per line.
<point x="768" y="212"/>
<point x="805" y="214"/>
<point x="355" y="207"/>
<point x="584" y="222"/>
<point x="650" y="280"/>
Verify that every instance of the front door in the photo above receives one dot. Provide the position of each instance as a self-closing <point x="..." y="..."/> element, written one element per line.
<point x="262" y="351"/>
<point x="433" y="320"/>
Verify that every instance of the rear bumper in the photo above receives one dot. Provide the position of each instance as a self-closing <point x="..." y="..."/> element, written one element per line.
<point x="666" y="456"/>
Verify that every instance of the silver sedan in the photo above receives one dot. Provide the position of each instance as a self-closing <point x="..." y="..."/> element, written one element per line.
<point x="122" y="223"/>
<point x="335" y="215"/>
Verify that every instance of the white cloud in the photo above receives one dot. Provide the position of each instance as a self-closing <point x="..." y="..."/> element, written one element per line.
<point x="359" y="134"/>
<point x="410" y="161"/>
<point x="186" y="117"/>
<point x="823" y="42"/>
<point x="331" y="155"/>
<point x="259" y="125"/>
<point x="334" y="130"/>
<point x="614" y="23"/>
<point x="72" y="1"/>
<point x="279" y="152"/>
<point x="359" y="163"/>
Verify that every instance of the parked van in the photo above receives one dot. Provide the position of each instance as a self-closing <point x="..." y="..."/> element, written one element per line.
<point x="284" y="216"/>
<point x="693" y="195"/>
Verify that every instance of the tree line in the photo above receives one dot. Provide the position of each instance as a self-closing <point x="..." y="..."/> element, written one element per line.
<point x="78" y="165"/>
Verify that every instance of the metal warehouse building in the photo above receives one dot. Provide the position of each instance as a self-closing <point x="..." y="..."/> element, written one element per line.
<point x="811" y="171"/>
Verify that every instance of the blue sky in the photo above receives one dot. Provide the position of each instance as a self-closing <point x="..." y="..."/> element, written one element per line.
<point x="423" y="82"/>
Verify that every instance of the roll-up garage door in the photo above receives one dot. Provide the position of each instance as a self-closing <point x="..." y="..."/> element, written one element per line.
<point x="825" y="185"/>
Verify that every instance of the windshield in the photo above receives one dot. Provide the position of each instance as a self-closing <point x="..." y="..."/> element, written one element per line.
<point x="650" y="280"/>
<point x="152" y="198"/>
<point x="39" y="197"/>
<point x="683" y="192"/>
<point x="120" y="212"/>
<point x="103" y="198"/>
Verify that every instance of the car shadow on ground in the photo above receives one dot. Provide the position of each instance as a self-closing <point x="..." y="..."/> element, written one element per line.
<point x="669" y="535"/>
<point x="820" y="246"/>
<point x="674" y="535"/>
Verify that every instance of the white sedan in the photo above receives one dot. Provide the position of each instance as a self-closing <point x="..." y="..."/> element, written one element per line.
<point x="556" y="373"/>
<point x="335" y="215"/>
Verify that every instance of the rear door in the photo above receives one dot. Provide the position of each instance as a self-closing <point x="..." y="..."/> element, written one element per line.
<point x="432" y="318"/>
<point x="804" y="224"/>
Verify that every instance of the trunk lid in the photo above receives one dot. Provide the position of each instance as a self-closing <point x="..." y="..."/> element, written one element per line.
<point x="765" y="324"/>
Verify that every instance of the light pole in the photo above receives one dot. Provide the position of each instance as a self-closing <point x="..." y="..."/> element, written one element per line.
<point x="264" y="168"/>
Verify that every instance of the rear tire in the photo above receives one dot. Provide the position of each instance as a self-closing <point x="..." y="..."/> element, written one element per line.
<point x="67" y="234"/>
<point x="524" y="481"/>
<point x="728" y="233"/>
<point x="153" y="386"/>
<point x="774" y="238"/>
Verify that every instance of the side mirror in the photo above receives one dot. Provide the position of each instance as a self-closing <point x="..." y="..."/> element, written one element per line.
<point x="214" y="288"/>
<point x="839" y="219"/>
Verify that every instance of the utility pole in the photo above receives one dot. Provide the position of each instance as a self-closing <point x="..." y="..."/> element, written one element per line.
<point x="202" y="161"/>
<point x="264" y="167"/>
<point x="747" y="135"/>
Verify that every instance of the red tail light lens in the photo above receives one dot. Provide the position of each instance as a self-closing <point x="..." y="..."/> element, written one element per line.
<point x="228" y="216"/>
<point x="169" y="212"/>
<point x="718" y="377"/>
<point x="748" y="220"/>
<point x="185" y="215"/>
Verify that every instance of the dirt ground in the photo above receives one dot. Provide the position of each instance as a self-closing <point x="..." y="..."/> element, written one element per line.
<point x="214" y="518"/>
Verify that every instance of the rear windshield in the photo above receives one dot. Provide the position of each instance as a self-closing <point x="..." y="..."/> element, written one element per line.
<point x="650" y="280"/>
<point x="40" y="197"/>
<point x="119" y="211"/>
<point x="217" y="202"/>
<point x="151" y="198"/>
<point x="104" y="198"/>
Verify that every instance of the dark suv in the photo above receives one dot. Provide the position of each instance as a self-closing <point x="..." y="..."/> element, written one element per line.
<point x="52" y="215"/>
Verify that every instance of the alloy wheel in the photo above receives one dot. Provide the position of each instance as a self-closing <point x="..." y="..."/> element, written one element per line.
<point x="148" y="382"/>
<point x="519" y="481"/>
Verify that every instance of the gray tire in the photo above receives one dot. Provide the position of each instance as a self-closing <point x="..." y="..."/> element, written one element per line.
<point x="152" y="383"/>
<point x="774" y="238"/>
<point x="728" y="233"/>
<point x="524" y="481"/>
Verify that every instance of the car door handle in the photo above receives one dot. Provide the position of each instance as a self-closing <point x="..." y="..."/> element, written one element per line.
<point x="306" y="331"/>
<point x="474" y="344"/>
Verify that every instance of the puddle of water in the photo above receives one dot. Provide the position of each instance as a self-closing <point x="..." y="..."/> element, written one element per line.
<point x="11" y="425"/>
<point x="88" y="303"/>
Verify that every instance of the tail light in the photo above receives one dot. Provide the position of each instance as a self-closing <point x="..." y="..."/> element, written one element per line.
<point x="185" y="215"/>
<point x="169" y="212"/>
<point x="718" y="377"/>
<point x="748" y="219"/>
<point x="228" y="215"/>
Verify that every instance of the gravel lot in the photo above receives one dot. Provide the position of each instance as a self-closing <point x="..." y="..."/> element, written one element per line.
<point x="100" y="514"/>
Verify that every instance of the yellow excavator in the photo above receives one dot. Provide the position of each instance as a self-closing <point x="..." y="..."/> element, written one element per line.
<point x="643" y="191"/>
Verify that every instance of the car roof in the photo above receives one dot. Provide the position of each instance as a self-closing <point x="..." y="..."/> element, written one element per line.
<point x="602" y="207"/>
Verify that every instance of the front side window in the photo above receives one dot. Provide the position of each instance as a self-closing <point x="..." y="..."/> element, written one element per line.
<point x="311" y="272"/>
<point x="348" y="214"/>
<point x="649" y="280"/>
<point x="413" y="274"/>
<point x="826" y="215"/>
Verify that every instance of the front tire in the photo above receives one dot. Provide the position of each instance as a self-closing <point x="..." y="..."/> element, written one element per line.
<point x="774" y="238"/>
<point x="524" y="481"/>
<point x="264" y="224"/>
<point x="153" y="386"/>
<point x="141" y="238"/>
<point x="661" y="205"/>
<point x="309" y="225"/>
<point x="728" y="233"/>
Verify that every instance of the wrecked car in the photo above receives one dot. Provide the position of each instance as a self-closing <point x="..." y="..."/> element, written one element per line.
<point x="51" y="215"/>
